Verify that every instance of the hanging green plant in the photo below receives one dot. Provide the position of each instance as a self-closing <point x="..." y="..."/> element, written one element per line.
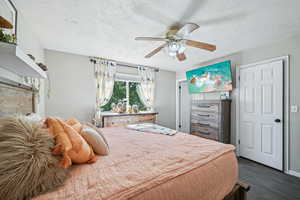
<point x="4" y="37"/>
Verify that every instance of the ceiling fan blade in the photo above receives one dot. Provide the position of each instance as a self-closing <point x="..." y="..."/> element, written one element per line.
<point x="187" y="29"/>
<point x="150" y="38"/>
<point x="155" y="51"/>
<point x="201" y="45"/>
<point x="181" y="56"/>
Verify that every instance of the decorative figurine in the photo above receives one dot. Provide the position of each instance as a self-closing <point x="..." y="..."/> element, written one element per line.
<point x="129" y="109"/>
<point x="113" y="107"/>
<point x="135" y="108"/>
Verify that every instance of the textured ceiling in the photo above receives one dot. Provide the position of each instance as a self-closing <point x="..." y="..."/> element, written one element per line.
<point x="108" y="28"/>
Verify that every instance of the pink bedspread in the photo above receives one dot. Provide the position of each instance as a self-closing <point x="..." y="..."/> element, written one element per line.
<point x="151" y="166"/>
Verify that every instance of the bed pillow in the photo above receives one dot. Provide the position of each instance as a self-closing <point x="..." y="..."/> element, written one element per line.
<point x="34" y="117"/>
<point x="27" y="167"/>
<point x="70" y="144"/>
<point x="99" y="132"/>
<point x="75" y="124"/>
<point x="96" y="140"/>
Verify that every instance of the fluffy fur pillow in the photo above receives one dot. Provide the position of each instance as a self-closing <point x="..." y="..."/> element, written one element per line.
<point x="27" y="167"/>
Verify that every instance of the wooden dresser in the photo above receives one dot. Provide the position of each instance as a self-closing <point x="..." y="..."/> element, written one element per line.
<point x="211" y="119"/>
<point x="117" y="120"/>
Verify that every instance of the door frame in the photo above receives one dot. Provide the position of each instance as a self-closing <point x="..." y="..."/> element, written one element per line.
<point x="286" y="107"/>
<point x="177" y="102"/>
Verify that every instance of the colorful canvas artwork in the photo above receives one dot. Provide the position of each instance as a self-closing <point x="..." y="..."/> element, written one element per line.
<point x="213" y="78"/>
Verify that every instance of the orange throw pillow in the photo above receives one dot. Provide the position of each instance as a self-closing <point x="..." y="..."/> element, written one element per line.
<point x="75" y="124"/>
<point x="70" y="144"/>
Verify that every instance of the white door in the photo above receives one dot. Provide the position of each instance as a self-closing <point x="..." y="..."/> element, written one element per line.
<point x="184" y="107"/>
<point x="261" y="113"/>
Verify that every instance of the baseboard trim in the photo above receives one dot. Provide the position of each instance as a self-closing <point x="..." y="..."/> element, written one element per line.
<point x="293" y="173"/>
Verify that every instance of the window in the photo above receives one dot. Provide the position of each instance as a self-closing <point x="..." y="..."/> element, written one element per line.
<point x="125" y="90"/>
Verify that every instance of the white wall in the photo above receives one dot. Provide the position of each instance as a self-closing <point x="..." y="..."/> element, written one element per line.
<point x="30" y="44"/>
<point x="72" y="86"/>
<point x="287" y="47"/>
<point x="73" y="91"/>
<point x="165" y="102"/>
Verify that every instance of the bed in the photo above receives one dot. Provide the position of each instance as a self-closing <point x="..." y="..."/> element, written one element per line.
<point x="155" y="167"/>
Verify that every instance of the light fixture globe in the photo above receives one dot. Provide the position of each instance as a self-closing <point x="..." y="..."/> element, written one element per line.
<point x="182" y="46"/>
<point x="175" y="47"/>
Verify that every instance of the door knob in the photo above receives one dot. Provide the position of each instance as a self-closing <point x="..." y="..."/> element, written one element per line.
<point x="277" y="120"/>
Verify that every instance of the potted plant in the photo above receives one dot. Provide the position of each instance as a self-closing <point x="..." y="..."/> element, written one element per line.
<point x="4" y="37"/>
<point x="8" y="22"/>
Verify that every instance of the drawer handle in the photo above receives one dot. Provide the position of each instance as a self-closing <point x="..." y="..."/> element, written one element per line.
<point x="205" y="132"/>
<point x="201" y="106"/>
<point x="201" y="124"/>
<point x="201" y="115"/>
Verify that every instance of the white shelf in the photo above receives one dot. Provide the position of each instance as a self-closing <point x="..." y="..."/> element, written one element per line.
<point x="13" y="59"/>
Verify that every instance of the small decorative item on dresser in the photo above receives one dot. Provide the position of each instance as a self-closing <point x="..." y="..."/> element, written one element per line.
<point x="113" y="107"/>
<point x="129" y="109"/>
<point x="135" y="108"/>
<point x="124" y="106"/>
<point x="120" y="107"/>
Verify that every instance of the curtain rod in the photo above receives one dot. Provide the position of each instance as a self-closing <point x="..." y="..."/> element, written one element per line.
<point x="122" y="64"/>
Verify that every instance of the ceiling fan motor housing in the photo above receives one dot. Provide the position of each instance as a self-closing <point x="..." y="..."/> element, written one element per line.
<point x="172" y="31"/>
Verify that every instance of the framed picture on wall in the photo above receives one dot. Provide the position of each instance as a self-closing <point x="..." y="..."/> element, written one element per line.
<point x="8" y="21"/>
<point x="212" y="78"/>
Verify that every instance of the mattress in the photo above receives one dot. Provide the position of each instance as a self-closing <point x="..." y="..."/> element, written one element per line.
<point x="151" y="166"/>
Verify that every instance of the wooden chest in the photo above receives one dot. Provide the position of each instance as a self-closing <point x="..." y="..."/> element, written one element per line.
<point x="211" y="119"/>
<point x="117" y="120"/>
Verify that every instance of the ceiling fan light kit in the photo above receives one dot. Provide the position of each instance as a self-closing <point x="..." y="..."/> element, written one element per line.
<point x="175" y="47"/>
<point x="175" y="43"/>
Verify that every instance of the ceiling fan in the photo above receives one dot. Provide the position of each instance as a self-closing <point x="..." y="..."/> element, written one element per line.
<point x="175" y="42"/>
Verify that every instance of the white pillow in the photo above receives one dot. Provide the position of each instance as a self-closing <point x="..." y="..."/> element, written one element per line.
<point x="96" y="140"/>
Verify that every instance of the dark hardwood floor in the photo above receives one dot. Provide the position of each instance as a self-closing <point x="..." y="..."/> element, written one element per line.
<point x="267" y="183"/>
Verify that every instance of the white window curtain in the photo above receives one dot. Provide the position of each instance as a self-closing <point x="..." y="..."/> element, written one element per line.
<point x="146" y="88"/>
<point x="105" y="72"/>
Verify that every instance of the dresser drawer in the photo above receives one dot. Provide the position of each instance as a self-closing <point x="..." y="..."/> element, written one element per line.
<point x="208" y="133"/>
<point x="146" y="118"/>
<point x="204" y="123"/>
<point x="206" y="116"/>
<point x="205" y="130"/>
<point x="206" y="107"/>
